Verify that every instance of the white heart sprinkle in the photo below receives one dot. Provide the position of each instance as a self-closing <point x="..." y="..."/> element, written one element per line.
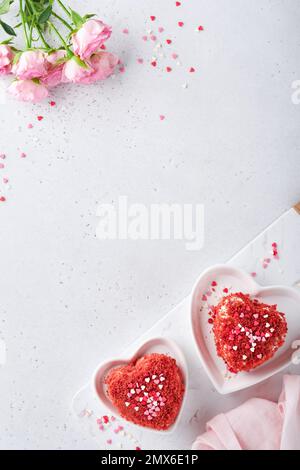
<point x="272" y="330"/>
<point x="268" y="325"/>
<point x="147" y="379"/>
<point x="252" y="349"/>
<point x="244" y="357"/>
<point x="160" y="387"/>
<point x="259" y="356"/>
<point x="154" y="377"/>
<point x="256" y="316"/>
<point x="126" y="403"/>
<point x="136" y="408"/>
<point x="266" y="316"/>
<point x="234" y="348"/>
<point x="143" y="387"/>
<point x="267" y="335"/>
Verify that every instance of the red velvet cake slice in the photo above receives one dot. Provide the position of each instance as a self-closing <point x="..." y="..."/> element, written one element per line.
<point x="247" y="333"/>
<point x="147" y="392"/>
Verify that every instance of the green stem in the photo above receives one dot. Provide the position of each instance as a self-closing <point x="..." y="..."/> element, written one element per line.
<point x="24" y="24"/>
<point x="64" y="8"/>
<point x="59" y="35"/>
<point x="46" y="44"/>
<point x="62" y="20"/>
<point x="31" y="6"/>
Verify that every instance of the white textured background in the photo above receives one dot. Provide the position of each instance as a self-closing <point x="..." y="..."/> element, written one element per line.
<point x="229" y="141"/>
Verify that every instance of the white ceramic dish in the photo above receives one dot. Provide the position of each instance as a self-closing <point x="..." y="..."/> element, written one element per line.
<point x="155" y="345"/>
<point x="288" y="301"/>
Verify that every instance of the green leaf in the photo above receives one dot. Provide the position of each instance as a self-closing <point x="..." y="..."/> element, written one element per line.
<point x="4" y="6"/>
<point x="76" y="18"/>
<point x="7" y="41"/>
<point x="88" y="16"/>
<point x="45" y="15"/>
<point x="8" y="29"/>
<point x="17" y="57"/>
<point x="80" y="62"/>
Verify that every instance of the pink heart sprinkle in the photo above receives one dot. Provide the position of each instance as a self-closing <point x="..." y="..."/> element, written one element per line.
<point x="109" y="441"/>
<point x="144" y="38"/>
<point x="23" y="155"/>
<point x="153" y="37"/>
<point x="174" y="56"/>
<point x="2" y="166"/>
<point x="140" y="61"/>
<point x="125" y="31"/>
<point x="2" y="156"/>
<point x="160" y="29"/>
<point x="162" y="117"/>
<point x="5" y="180"/>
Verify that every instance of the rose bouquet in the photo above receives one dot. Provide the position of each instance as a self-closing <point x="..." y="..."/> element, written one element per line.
<point x="61" y="46"/>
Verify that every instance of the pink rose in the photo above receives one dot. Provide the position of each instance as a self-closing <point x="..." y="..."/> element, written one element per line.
<point x="90" y="37"/>
<point x="74" y="71"/>
<point x="103" y="65"/>
<point x="55" y="67"/>
<point x="28" y="90"/>
<point x="6" y="57"/>
<point x="54" y="76"/>
<point x="31" y="64"/>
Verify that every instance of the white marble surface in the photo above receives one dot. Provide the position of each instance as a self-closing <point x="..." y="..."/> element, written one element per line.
<point x="229" y="141"/>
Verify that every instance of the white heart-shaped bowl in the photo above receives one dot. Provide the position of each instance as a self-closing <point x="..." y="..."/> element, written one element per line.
<point x="155" y="345"/>
<point x="287" y="300"/>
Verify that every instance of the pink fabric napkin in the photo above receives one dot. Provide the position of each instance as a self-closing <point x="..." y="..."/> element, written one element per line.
<point x="258" y="424"/>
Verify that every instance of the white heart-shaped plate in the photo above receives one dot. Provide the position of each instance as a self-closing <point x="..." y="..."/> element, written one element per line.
<point x="206" y="293"/>
<point x="155" y="345"/>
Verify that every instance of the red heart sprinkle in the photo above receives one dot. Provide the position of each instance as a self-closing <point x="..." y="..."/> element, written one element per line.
<point x="40" y="118"/>
<point x="152" y="18"/>
<point x="168" y="41"/>
<point x="2" y="199"/>
<point x="200" y="28"/>
<point x="154" y="63"/>
<point x="178" y="4"/>
<point x="169" y="69"/>
<point x="103" y="47"/>
<point x="180" y="24"/>
<point x="192" y="70"/>
<point x="52" y="103"/>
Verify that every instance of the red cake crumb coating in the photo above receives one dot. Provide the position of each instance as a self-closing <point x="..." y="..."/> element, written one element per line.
<point x="247" y="332"/>
<point x="147" y="392"/>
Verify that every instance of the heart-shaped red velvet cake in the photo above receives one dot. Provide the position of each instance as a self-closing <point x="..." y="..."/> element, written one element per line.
<point x="147" y="392"/>
<point x="247" y="333"/>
